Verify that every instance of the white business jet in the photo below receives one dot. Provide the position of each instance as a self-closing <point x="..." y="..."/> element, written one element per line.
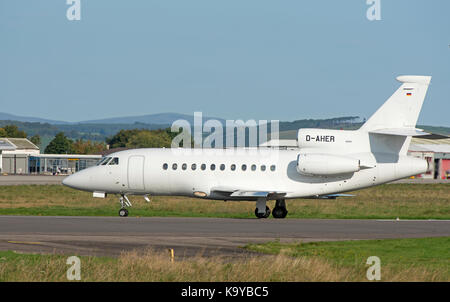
<point x="326" y="164"/>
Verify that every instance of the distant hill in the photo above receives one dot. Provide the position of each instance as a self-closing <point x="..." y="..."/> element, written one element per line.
<point x="151" y="119"/>
<point x="99" y="130"/>
<point x="12" y="117"/>
<point x="96" y="132"/>
<point x="346" y="122"/>
<point x="156" y="119"/>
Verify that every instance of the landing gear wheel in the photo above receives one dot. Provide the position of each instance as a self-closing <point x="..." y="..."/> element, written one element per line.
<point x="263" y="215"/>
<point x="123" y="212"/>
<point x="279" y="212"/>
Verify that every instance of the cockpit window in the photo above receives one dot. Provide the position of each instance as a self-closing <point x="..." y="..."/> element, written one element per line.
<point x="106" y="161"/>
<point x="103" y="160"/>
<point x="114" y="161"/>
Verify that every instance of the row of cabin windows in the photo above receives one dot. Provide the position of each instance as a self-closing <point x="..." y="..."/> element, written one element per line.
<point x="221" y="167"/>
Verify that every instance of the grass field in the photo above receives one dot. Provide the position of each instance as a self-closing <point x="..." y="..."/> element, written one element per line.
<point x="427" y="256"/>
<point x="406" y="201"/>
<point x="401" y="260"/>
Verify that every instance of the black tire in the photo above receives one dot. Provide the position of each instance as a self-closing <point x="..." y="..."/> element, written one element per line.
<point x="123" y="212"/>
<point x="279" y="212"/>
<point x="262" y="215"/>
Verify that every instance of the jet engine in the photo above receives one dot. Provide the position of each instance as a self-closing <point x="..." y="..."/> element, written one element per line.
<point x="326" y="164"/>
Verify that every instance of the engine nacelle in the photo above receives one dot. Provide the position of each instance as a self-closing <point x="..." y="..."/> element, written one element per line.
<point x="326" y="164"/>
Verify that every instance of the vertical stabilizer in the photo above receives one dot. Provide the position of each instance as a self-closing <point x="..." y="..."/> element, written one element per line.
<point x="402" y="109"/>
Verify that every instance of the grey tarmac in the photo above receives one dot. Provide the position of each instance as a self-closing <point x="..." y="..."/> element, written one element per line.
<point x="109" y="236"/>
<point x="13" y="180"/>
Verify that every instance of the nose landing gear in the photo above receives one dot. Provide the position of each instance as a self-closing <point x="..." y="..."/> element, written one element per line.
<point x="124" y="202"/>
<point x="123" y="212"/>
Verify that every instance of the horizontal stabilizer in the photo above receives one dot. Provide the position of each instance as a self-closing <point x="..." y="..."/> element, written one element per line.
<point x="400" y="131"/>
<point x="435" y="136"/>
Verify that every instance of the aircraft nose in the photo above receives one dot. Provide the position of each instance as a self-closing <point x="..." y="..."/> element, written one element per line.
<point x="75" y="181"/>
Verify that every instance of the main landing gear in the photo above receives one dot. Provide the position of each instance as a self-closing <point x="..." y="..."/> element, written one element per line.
<point x="263" y="211"/>
<point x="264" y="214"/>
<point x="280" y="210"/>
<point x="124" y="202"/>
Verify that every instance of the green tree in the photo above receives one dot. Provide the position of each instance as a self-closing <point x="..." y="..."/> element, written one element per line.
<point x="13" y="131"/>
<point x="121" y="138"/>
<point x="3" y="132"/>
<point x="87" y="147"/>
<point x="59" y="145"/>
<point x="36" y="139"/>
<point x="150" y="139"/>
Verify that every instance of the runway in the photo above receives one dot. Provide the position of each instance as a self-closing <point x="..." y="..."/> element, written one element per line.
<point x="25" y="179"/>
<point x="191" y="236"/>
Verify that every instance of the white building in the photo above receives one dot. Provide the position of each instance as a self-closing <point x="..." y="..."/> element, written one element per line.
<point x="20" y="156"/>
<point x="436" y="152"/>
<point x="14" y="159"/>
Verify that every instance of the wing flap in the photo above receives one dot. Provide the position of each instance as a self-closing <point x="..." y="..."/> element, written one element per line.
<point x="247" y="194"/>
<point x="329" y="196"/>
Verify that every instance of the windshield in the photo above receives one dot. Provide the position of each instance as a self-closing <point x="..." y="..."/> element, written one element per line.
<point x="103" y="161"/>
<point x="108" y="161"/>
<point x="114" y="161"/>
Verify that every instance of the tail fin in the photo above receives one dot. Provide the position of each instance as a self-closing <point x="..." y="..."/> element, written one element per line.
<point x="402" y="109"/>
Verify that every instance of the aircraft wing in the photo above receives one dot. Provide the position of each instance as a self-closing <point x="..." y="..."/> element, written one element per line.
<point x="334" y="196"/>
<point x="329" y="196"/>
<point x="240" y="194"/>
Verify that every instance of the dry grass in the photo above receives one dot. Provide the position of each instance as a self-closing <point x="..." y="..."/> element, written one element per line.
<point x="153" y="266"/>
<point x="431" y="201"/>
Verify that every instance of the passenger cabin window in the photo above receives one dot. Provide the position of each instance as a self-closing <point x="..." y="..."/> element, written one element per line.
<point x="184" y="166"/>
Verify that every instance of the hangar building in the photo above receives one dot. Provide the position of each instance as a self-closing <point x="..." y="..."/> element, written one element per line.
<point x="14" y="160"/>
<point x="436" y="152"/>
<point x="20" y="156"/>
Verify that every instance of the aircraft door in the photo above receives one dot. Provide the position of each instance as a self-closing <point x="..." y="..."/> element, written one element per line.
<point x="136" y="172"/>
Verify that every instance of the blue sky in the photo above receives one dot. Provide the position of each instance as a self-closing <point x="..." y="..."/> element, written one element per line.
<point x="249" y="59"/>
